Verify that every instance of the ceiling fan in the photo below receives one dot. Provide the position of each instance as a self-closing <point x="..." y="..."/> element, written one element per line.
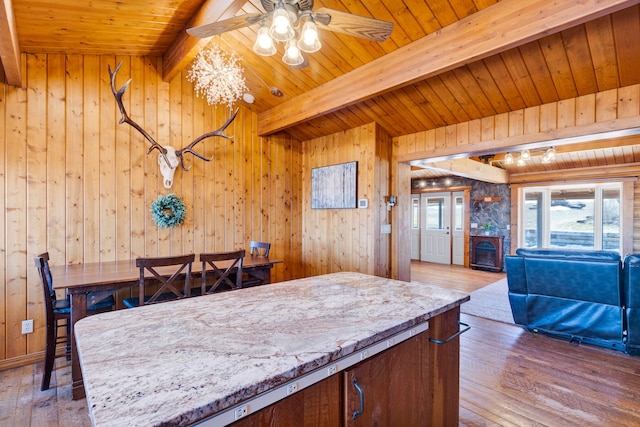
<point x="284" y="18"/>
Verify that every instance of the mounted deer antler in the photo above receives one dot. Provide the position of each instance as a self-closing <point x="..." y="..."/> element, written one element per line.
<point x="168" y="157"/>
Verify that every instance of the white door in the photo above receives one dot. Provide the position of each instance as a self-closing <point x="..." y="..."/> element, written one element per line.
<point x="415" y="226"/>
<point x="457" y="228"/>
<point x="436" y="231"/>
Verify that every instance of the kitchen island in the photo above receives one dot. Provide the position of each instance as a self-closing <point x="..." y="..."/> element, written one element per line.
<point x="322" y="350"/>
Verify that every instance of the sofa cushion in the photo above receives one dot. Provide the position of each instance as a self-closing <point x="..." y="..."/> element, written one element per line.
<point x="592" y="281"/>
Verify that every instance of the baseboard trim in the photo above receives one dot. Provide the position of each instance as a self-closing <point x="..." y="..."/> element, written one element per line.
<point x="16" y="362"/>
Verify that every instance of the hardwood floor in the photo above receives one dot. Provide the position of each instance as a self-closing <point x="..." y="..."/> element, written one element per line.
<point x="453" y="276"/>
<point x="509" y="377"/>
<point x="22" y="404"/>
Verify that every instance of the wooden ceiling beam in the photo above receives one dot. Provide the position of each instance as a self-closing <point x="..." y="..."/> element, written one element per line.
<point x="500" y="27"/>
<point x="185" y="47"/>
<point x="471" y="169"/>
<point x="622" y="141"/>
<point x="588" y="173"/>
<point x="9" y="48"/>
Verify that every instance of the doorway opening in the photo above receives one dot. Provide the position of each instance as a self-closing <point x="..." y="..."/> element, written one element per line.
<point x="439" y="227"/>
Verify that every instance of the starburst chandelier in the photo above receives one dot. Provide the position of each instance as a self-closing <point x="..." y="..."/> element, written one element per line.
<point x="218" y="76"/>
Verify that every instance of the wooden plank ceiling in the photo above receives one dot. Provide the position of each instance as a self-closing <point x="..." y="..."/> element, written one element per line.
<point x="596" y="55"/>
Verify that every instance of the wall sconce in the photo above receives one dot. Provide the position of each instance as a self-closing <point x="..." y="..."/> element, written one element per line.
<point x="391" y="202"/>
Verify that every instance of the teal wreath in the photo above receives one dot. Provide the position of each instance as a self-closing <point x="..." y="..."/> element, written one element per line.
<point x="168" y="211"/>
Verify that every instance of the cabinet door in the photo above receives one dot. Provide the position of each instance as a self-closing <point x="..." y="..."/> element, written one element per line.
<point x="394" y="384"/>
<point x="315" y="406"/>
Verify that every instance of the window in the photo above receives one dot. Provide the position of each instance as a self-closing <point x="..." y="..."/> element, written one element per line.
<point x="415" y="214"/>
<point x="572" y="217"/>
<point x="435" y="213"/>
<point x="458" y="216"/>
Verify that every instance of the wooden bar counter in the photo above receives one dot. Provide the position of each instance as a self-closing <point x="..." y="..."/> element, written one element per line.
<point x="340" y="349"/>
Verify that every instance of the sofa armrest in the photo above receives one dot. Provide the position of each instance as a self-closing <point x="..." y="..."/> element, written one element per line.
<point x="632" y="280"/>
<point x="632" y="302"/>
<point x="517" y="283"/>
<point x="516" y="278"/>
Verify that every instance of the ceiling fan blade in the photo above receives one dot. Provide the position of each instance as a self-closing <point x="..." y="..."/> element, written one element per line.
<point x="355" y="25"/>
<point x="219" y="27"/>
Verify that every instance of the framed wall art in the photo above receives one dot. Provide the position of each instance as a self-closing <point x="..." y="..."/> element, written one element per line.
<point x="334" y="187"/>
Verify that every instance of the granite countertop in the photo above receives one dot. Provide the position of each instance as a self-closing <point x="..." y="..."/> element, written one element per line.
<point x="178" y="362"/>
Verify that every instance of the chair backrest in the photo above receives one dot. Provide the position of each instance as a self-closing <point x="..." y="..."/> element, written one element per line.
<point x="167" y="290"/>
<point x="44" y="258"/>
<point x="222" y="265"/>
<point x="42" y="265"/>
<point x="256" y="247"/>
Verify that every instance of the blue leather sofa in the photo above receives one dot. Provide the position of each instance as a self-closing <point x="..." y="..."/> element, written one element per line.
<point x="632" y="302"/>
<point x="575" y="294"/>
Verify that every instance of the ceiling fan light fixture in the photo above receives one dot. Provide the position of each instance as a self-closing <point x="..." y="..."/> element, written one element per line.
<point x="521" y="161"/>
<point x="281" y="28"/>
<point x="309" y="41"/>
<point x="264" y="43"/>
<point x="292" y="55"/>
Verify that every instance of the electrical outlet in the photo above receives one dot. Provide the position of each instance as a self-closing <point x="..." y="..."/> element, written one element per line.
<point x="241" y="412"/>
<point x="332" y="369"/>
<point x="364" y="354"/>
<point x="292" y="388"/>
<point x="27" y="326"/>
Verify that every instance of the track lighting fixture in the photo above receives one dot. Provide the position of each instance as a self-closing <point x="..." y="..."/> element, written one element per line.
<point x="548" y="155"/>
<point x="508" y="159"/>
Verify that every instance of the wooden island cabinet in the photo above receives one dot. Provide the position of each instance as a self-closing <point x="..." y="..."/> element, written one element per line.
<point x="398" y="387"/>
<point x="343" y="349"/>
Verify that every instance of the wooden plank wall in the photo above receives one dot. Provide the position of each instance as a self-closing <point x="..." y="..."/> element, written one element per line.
<point x="382" y="188"/>
<point x="604" y="111"/>
<point x="79" y="185"/>
<point x="348" y="239"/>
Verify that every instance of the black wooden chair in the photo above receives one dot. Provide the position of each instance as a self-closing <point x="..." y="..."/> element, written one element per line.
<point x="221" y="270"/>
<point x="175" y="283"/>
<point x="259" y="248"/>
<point x="255" y="249"/>
<point x="58" y="315"/>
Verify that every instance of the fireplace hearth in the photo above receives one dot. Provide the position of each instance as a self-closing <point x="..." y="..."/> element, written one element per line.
<point x="486" y="253"/>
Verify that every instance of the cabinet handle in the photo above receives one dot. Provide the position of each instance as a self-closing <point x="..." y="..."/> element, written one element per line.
<point x="456" y="335"/>
<point x="356" y="413"/>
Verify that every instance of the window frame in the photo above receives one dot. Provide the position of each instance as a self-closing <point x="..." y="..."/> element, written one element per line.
<point x="626" y="209"/>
